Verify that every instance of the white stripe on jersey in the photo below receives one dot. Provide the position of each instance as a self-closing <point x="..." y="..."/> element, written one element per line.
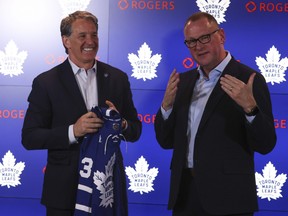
<point x="85" y="188"/>
<point x="83" y="208"/>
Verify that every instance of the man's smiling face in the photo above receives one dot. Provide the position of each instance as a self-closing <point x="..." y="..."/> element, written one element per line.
<point x="83" y="43"/>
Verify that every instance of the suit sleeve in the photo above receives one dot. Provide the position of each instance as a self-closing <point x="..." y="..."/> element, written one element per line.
<point x="261" y="132"/>
<point x="129" y="112"/>
<point x="164" y="130"/>
<point x="37" y="131"/>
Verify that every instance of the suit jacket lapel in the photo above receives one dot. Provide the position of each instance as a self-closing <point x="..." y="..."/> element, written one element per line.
<point x="217" y="94"/>
<point x="69" y="81"/>
<point x="102" y="83"/>
<point x="186" y="89"/>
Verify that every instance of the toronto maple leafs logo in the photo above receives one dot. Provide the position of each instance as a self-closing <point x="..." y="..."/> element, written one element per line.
<point x="273" y="68"/>
<point x="141" y="178"/>
<point x="144" y="65"/>
<point x="216" y="8"/>
<point x="9" y="171"/>
<point x="70" y="6"/>
<point x="11" y="61"/>
<point x="104" y="183"/>
<point x="269" y="185"/>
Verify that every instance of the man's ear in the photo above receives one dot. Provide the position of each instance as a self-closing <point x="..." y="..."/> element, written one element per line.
<point x="66" y="41"/>
<point x="222" y="35"/>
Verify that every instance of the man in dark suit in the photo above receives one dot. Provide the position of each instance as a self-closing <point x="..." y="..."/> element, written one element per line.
<point x="214" y="118"/>
<point x="59" y="113"/>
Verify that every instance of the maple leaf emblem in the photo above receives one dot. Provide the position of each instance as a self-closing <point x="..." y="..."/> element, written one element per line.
<point x="144" y="65"/>
<point x="9" y="171"/>
<point x="216" y="8"/>
<point x="269" y="185"/>
<point x="104" y="183"/>
<point x="141" y="178"/>
<point x="70" y="6"/>
<point x="11" y="61"/>
<point x="273" y="69"/>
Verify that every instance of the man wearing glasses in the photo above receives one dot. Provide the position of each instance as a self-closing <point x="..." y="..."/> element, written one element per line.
<point x="214" y="118"/>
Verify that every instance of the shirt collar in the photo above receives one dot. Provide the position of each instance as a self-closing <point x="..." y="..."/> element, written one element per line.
<point x="220" y="68"/>
<point x="224" y="63"/>
<point x="76" y="69"/>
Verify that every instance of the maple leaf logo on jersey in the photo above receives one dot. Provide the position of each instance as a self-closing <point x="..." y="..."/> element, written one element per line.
<point x="70" y="6"/>
<point x="273" y="69"/>
<point x="104" y="183"/>
<point x="144" y="65"/>
<point x="141" y="179"/>
<point x="216" y="8"/>
<point x="269" y="185"/>
<point x="9" y="171"/>
<point x="11" y="61"/>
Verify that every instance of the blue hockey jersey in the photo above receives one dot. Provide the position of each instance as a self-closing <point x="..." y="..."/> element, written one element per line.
<point x="102" y="183"/>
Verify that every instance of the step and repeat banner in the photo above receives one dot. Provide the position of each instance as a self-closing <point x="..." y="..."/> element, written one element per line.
<point x="144" y="38"/>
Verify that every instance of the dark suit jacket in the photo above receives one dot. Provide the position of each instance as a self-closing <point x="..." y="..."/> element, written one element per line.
<point x="224" y="145"/>
<point x="55" y="102"/>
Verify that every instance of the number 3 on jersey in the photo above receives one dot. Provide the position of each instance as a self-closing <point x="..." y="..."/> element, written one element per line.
<point x="86" y="171"/>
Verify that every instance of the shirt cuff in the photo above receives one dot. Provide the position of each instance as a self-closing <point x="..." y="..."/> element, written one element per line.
<point x="72" y="139"/>
<point x="250" y="118"/>
<point x="165" y="113"/>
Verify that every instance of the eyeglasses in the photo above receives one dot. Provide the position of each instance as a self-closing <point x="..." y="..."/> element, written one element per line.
<point x="204" y="39"/>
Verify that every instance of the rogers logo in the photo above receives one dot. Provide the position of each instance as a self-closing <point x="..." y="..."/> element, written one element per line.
<point x="12" y="114"/>
<point x="51" y="59"/>
<point x="280" y="123"/>
<point x="147" y="118"/>
<point x="123" y="4"/>
<point x="147" y="5"/>
<point x="188" y="62"/>
<point x="266" y="7"/>
<point x="251" y="6"/>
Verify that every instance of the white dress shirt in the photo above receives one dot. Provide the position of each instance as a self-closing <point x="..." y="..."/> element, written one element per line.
<point x="87" y="82"/>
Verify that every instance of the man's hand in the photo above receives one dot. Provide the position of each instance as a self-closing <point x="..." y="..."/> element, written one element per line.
<point x="171" y="91"/>
<point x="111" y="106"/>
<point x="87" y="123"/>
<point x="240" y="92"/>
